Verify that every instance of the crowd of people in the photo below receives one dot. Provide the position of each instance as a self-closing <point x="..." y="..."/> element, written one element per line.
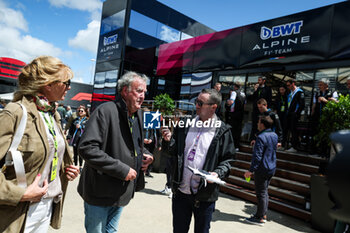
<point x="117" y="150"/>
<point x="285" y="110"/>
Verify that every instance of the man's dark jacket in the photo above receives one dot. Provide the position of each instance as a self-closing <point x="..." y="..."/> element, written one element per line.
<point x="264" y="153"/>
<point x="108" y="150"/>
<point x="297" y="104"/>
<point x="263" y="92"/>
<point x="219" y="156"/>
<point x="276" y="127"/>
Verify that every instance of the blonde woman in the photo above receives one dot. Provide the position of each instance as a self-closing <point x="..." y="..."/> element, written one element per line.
<point x="47" y="161"/>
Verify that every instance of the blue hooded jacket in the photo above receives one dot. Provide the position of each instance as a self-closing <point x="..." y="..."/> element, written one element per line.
<point x="264" y="153"/>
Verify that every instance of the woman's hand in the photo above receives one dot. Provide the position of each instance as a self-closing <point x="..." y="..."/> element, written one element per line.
<point x="72" y="172"/>
<point x="34" y="192"/>
<point x="78" y="126"/>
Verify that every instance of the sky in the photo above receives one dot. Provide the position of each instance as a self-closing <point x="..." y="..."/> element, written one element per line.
<point x="69" y="29"/>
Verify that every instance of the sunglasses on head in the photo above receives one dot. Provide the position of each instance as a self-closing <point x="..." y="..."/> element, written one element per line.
<point x="201" y="103"/>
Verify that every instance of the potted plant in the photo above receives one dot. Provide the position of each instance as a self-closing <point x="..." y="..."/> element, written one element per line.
<point x="164" y="104"/>
<point x="335" y="116"/>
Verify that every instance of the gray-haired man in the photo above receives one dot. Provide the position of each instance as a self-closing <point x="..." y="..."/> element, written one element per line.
<point x="112" y="147"/>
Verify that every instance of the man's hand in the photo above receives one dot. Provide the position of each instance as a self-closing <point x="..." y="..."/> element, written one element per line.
<point x="131" y="175"/>
<point x="166" y="134"/>
<point x="247" y="174"/>
<point x="213" y="174"/>
<point x="72" y="172"/>
<point x="279" y="145"/>
<point x="322" y="99"/>
<point x="146" y="161"/>
<point x="229" y="102"/>
<point x="256" y="86"/>
<point x="252" y="142"/>
<point x="147" y="141"/>
<point x="34" y="192"/>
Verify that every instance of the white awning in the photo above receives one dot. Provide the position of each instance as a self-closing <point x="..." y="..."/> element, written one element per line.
<point x="6" y="96"/>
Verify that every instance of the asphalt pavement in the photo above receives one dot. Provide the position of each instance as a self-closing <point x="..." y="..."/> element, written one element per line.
<point x="150" y="212"/>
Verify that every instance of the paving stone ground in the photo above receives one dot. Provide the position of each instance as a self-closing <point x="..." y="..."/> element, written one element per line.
<point x="150" y="212"/>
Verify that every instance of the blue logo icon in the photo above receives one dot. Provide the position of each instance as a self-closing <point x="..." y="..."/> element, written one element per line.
<point x="151" y="120"/>
<point x="281" y="30"/>
<point x="110" y="40"/>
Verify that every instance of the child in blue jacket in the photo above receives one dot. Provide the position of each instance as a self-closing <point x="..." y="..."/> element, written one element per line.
<point x="263" y="166"/>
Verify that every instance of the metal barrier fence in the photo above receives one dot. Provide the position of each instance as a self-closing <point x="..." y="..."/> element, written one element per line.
<point x="185" y="107"/>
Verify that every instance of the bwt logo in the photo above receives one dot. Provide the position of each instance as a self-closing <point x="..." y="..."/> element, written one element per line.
<point x="110" y="40"/>
<point x="281" y="30"/>
<point x="151" y="120"/>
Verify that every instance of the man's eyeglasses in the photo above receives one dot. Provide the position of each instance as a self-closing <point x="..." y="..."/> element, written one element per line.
<point x="201" y="103"/>
<point x="67" y="83"/>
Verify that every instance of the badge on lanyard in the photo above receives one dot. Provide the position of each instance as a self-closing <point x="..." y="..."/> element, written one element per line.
<point x="54" y="168"/>
<point x="192" y="152"/>
<point x="54" y="163"/>
<point x="191" y="155"/>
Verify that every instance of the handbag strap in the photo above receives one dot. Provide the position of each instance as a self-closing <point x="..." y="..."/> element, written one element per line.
<point x="20" y="130"/>
<point x="13" y="155"/>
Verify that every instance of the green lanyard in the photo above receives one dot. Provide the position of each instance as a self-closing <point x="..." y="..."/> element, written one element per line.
<point x="131" y="121"/>
<point x="282" y="105"/>
<point x="55" y="157"/>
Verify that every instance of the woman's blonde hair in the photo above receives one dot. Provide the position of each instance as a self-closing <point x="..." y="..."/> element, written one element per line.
<point x="40" y="72"/>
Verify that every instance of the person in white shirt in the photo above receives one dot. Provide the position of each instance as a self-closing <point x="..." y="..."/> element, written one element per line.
<point x="208" y="148"/>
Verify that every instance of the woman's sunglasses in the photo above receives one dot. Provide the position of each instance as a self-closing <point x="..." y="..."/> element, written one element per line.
<point x="67" y="83"/>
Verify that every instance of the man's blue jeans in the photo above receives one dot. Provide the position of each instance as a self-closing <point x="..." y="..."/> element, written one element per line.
<point x="101" y="219"/>
<point x="262" y="182"/>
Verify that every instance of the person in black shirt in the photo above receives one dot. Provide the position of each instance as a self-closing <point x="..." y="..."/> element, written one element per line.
<point x="219" y="110"/>
<point x="234" y="113"/>
<point x="296" y="104"/>
<point x="320" y="100"/>
<point x="276" y="126"/>
<point x="261" y="91"/>
<point x="281" y="104"/>
<point x="348" y="86"/>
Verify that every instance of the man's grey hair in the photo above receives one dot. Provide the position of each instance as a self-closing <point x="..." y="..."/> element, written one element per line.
<point x="128" y="78"/>
<point x="214" y="96"/>
<point x="324" y="80"/>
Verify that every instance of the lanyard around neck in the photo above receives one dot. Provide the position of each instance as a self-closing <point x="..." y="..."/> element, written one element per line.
<point x="291" y="96"/>
<point x="131" y="121"/>
<point x="52" y="131"/>
<point x="197" y="138"/>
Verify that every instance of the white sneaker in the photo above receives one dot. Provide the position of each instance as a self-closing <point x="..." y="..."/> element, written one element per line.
<point x="166" y="191"/>
<point x="292" y="150"/>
